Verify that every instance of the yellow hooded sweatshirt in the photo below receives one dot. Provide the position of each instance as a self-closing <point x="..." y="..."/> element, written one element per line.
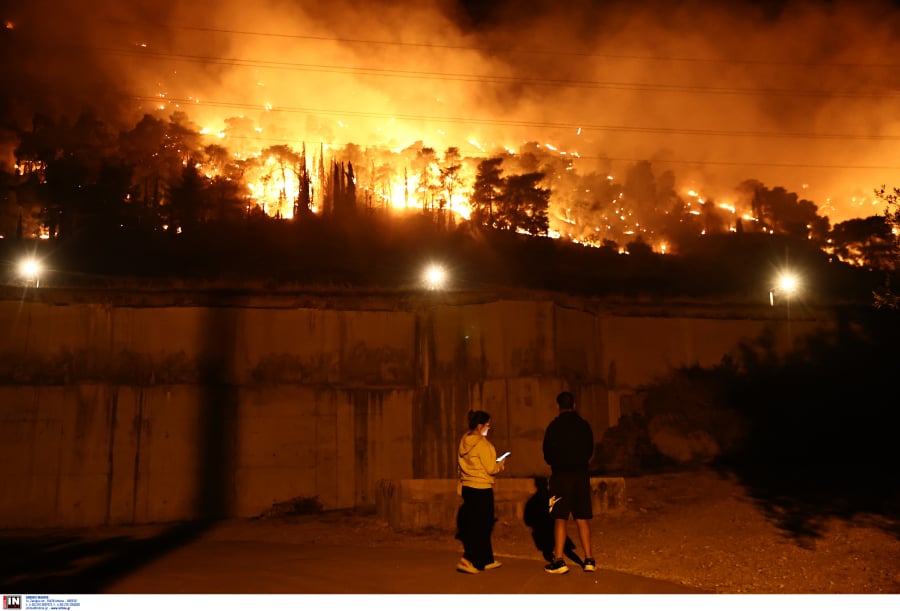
<point x="477" y="461"/>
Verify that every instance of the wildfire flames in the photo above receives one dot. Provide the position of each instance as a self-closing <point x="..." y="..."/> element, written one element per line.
<point x="409" y="92"/>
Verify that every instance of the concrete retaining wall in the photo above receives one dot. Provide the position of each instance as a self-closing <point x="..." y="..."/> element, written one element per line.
<point x="128" y="414"/>
<point x="435" y="503"/>
<point x="85" y="455"/>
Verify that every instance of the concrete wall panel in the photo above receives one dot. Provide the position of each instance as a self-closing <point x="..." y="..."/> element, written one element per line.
<point x="123" y="414"/>
<point x="639" y="349"/>
<point x="170" y="459"/>
<point x="29" y="455"/>
<point x="156" y="332"/>
<point x="490" y="340"/>
<point x="125" y="431"/>
<point x="577" y="344"/>
<point x="377" y="349"/>
<point x="289" y="345"/>
<point x="531" y="405"/>
<point x="46" y="328"/>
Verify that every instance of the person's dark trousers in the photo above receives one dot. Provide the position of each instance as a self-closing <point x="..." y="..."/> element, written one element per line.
<point x="477" y="524"/>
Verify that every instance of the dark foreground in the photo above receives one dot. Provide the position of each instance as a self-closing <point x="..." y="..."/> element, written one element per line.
<point x="204" y="563"/>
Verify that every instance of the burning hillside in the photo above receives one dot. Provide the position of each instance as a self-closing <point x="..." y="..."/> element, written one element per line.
<point x="626" y="108"/>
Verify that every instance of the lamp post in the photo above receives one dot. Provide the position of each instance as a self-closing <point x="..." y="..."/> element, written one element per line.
<point x="786" y="284"/>
<point x="30" y="271"/>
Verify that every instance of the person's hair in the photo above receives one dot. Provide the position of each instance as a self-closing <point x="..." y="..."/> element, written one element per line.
<point x="565" y="400"/>
<point x="477" y="417"/>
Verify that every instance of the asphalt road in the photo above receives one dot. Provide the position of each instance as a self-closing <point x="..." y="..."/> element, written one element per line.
<point x="185" y="560"/>
<point x="245" y="567"/>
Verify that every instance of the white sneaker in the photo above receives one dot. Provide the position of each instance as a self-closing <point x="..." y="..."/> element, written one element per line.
<point x="496" y="564"/>
<point x="464" y="566"/>
<point x="557" y="567"/>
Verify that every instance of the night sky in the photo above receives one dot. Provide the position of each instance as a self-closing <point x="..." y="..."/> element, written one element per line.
<point x="795" y="94"/>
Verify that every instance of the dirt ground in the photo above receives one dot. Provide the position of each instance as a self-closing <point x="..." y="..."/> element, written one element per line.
<point x="702" y="530"/>
<point x="696" y="528"/>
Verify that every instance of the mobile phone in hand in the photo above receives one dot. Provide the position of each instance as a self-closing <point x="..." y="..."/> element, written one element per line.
<point x="502" y="456"/>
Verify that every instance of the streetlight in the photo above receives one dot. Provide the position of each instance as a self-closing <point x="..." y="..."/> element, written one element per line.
<point x="787" y="283"/>
<point x="30" y="271"/>
<point x="434" y="277"/>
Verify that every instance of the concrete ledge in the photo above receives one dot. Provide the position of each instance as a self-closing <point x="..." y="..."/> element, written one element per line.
<point x="409" y="504"/>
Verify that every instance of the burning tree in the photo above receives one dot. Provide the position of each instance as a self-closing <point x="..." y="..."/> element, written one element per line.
<point x="486" y="192"/>
<point x="785" y="213"/>
<point x="867" y="242"/>
<point x="515" y="203"/>
<point x="188" y="199"/>
<point x="166" y="169"/>
<point x="524" y="204"/>
<point x="886" y="297"/>
<point x="304" y="187"/>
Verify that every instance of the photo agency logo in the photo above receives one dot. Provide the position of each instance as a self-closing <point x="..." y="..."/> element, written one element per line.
<point x="12" y="601"/>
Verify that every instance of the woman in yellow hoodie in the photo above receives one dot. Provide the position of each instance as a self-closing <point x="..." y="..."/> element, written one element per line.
<point x="478" y="464"/>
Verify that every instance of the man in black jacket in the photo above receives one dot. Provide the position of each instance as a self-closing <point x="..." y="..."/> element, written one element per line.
<point x="568" y="447"/>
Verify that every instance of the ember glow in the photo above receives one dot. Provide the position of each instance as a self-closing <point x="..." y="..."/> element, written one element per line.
<point x="710" y="94"/>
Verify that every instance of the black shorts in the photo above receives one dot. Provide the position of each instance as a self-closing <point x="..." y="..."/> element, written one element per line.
<point x="570" y="493"/>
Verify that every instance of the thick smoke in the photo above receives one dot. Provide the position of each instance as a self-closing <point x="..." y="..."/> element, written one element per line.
<point x="795" y="94"/>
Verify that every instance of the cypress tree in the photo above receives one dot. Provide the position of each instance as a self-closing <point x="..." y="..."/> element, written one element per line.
<point x="350" y="191"/>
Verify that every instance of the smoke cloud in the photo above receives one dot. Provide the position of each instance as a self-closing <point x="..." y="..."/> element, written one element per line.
<point x="795" y="94"/>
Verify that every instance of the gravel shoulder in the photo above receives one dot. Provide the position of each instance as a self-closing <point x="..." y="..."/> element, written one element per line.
<point x="694" y="528"/>
<point x="703" y="530"/>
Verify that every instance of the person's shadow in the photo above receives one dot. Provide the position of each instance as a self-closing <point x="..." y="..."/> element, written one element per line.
<point x="537" y="518"/>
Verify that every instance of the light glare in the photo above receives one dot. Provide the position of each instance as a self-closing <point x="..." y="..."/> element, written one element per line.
<point x="30" y="271"/>
<point x="435" y="277"/>
<point x="787" y="283"/>
<point x="29" y="268"/>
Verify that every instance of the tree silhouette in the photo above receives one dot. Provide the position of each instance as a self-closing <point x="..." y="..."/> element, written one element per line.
<point x="105" y="207"/>
<point x="783" y="212"/>
<point x="427" y="171"/>
<point x="486" y="191"/>
<point x="886" y="296"/>
<point x="74" y="173"/>
<point x="321" y="198"/>
<point x="335" y="186"/>
<point x="226" y="199"/>
<point x="450" y="179"/>
<point x="66" y="179"/>
<point x="864" y="242"/>
<point x="188" y="200"/>
<point x="302" y="204"/>
<point x="524" y="204"/>
<point x="157" y="151"/>
<point x="350" y="189"/>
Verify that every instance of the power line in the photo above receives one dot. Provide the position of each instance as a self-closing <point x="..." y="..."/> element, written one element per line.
<point x="518" y="51"/>
<point x="495" y="80"/>
<point x="529" y="124"/>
